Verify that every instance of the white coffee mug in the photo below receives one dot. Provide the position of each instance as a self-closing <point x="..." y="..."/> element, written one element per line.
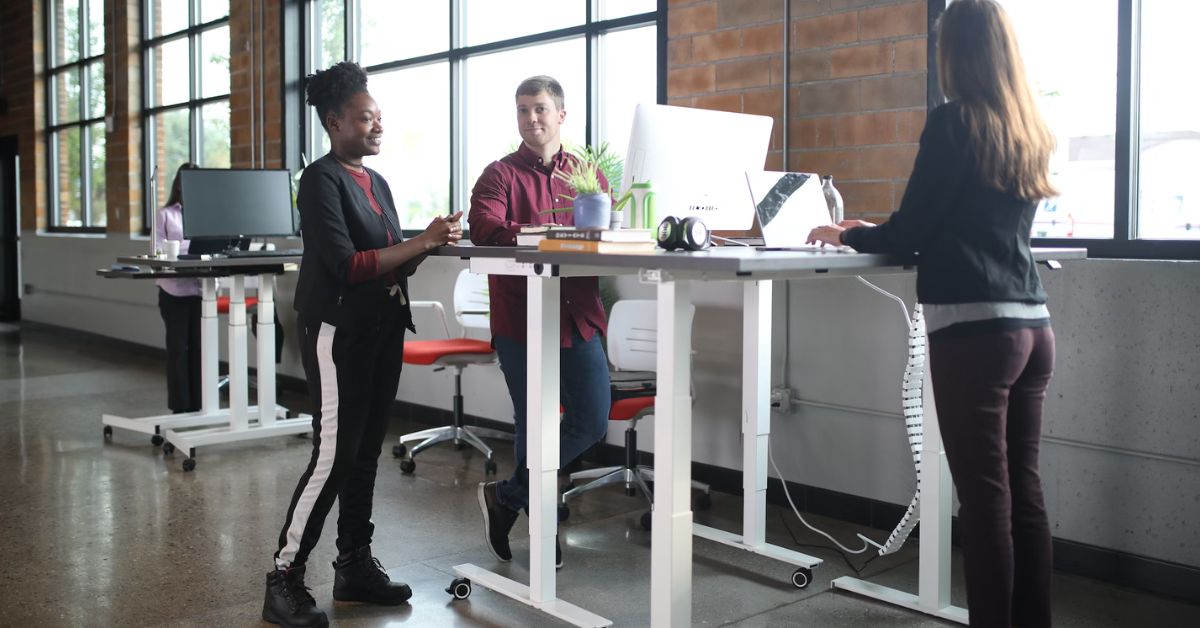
<point x="171" y="249"/>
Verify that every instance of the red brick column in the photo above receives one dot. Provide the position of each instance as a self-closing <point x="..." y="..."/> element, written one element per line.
<point x="245" y="65"/>
<point x="124" y="140"/>
<point x="22" y="24"/>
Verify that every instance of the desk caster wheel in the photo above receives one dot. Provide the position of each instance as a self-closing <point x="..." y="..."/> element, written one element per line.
<point x="107" y="431"/>
<point x="189" y="464"/>
<point x="801" y="577"/>
<point x="564" y="512"/>
<point x="460" y="588"/>
<point x="156" y="440"/>
<point x="408" y="465"/>
<point x="703" y="502"/>
<point x="168" y="448"/>
<point x="646" y="519"/>
<point x="490" y="467"/>
<point x="399" y="450"/>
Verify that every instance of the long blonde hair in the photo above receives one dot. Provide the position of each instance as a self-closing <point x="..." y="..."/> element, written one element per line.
<point x="979" y="64"/>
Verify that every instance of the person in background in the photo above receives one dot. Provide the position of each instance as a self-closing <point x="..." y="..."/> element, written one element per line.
<point x="353" y="309"/>
<point x="179" y="305"/>
<point x="982" y="168"/>
<point x="510" y="193"/>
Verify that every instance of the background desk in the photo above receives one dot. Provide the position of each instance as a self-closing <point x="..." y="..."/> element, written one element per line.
<point x="234" y="423"/>
<point x="672" y="526"/>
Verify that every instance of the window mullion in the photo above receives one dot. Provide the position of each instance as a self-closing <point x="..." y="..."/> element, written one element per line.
<point x="85" y="175"/>
<point x="458" y="124"/>
<point x="1126" y="155"/>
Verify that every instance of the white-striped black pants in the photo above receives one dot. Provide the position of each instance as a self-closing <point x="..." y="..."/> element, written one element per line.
<point x="352" y="381"/>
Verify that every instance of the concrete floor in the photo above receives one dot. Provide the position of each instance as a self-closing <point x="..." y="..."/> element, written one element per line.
<point x="114" y="533"/>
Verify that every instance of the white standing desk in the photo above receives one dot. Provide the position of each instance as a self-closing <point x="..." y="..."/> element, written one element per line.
<point x="672" y="526"/>
<point x="240" y="421"/>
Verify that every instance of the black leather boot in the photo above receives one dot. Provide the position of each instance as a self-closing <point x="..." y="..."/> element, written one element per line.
<point x="288" y="602"/>
<point x="359" y="577"/>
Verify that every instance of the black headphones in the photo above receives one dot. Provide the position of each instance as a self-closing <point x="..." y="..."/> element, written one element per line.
<point x="689" y="234"/>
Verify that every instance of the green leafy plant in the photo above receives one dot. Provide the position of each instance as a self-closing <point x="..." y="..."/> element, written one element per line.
<point x="580" y="176"/>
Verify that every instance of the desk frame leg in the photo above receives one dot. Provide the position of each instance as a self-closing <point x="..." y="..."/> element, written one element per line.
<point x="756" y="411"/>
<point x="239" y="400"/>
<point x="671" y="532"/>
<point x="542" y="456"/>
<point x="542" y="430"/>
<point x="933" y="584"/>
<point x="266" y="351"/>
<point x="210" y="394"/>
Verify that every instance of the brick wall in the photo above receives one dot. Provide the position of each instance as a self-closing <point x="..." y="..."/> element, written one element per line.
<point x="124" y="140"/>
<point x="857" y="84"/>
<point x="267" y="119"/>
<point x="21" y="44"/>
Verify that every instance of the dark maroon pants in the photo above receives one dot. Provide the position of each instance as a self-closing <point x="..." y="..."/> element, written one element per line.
<point x="989" y="390"/>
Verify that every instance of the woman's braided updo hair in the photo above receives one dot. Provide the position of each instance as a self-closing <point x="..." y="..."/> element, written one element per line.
<point x="329" y="90"/>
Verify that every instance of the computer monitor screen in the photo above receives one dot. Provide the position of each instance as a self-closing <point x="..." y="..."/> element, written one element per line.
<point x="695" y="161"/>
<point x="220" y="203"/>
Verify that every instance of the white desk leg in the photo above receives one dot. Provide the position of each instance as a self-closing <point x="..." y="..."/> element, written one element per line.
<point x="933" y="587"/>
<point x="238" y="385"/>
<point x="756" y="411"/>
<point x="542" y="432"/>
<point x="671" y="530"/>
<point x="266" y="350"/>
<point x="210" y="394"/>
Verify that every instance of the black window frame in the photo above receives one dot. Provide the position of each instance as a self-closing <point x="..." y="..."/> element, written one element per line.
<point x="193" y="104"/>
<point x="1124" y="244"/>
<point x="84" y="123"/>
<point x="306" y="139"/>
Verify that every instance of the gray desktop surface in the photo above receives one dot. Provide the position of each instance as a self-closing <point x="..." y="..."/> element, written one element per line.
<point x="741" y="260"/>
<point x="466" y="250"/>
<point x="221" y="262"/>
<point x="718" y="259"/>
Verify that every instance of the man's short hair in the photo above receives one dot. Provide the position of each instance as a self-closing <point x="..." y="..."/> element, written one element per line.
<point x="535" y="85"/>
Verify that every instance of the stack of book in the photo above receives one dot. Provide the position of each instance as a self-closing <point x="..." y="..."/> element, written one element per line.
<point x="579" y="240"/>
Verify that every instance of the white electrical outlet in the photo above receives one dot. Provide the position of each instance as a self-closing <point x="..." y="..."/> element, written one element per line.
<point x="781" y="400"/>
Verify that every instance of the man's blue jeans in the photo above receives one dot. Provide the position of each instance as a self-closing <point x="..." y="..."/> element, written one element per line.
<point x="584" y="391"/>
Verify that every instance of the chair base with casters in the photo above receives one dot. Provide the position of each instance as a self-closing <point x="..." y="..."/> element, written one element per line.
<point x="461" y="435"/>
<point x="634" y="476"/>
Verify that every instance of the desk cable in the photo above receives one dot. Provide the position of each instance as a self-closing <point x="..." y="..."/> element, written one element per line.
<point x="911" y="388"/>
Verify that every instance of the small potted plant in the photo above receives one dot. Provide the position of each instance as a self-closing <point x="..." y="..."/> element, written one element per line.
<point x="592" y="204"/>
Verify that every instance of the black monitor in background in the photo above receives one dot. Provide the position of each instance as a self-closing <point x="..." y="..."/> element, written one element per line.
<point x="227" y="204"/>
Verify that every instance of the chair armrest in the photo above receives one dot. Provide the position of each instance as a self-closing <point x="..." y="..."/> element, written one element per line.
<point x="437" y="307"/>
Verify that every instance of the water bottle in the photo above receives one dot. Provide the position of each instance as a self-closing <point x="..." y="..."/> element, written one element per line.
<point x="642" y="210"/>
<point x="833" y="199"/>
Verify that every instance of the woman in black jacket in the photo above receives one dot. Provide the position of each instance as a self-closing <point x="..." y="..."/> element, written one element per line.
<point x="967" y="214"/>
<point x="352" y="301"/>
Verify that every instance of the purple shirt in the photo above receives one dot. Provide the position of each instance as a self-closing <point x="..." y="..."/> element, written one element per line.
<point x="169" y="226"/>
<point x="508" y="195"/>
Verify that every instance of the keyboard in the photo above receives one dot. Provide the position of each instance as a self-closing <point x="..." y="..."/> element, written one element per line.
<point x="275" y="253"/>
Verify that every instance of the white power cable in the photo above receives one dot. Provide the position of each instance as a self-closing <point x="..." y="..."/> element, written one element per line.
<point x="867" y="543"/>
<point x="907" y="318"/>
<point x="913" y="420"/>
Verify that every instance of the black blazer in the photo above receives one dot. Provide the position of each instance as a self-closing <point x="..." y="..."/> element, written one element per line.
<point x="336" y="221"/>
<point x="971" y="242"/>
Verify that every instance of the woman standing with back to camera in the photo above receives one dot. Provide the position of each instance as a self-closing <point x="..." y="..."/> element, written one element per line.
<point x="982" y="168"/>
<point x="352" y="300"/>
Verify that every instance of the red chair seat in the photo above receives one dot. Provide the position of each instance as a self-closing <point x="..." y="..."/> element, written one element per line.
<point x="223" y="304"/>
<point x="626" y="409"/>
<point x="427" y="352"/>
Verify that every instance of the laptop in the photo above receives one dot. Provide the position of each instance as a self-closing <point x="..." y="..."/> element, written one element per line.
<point x="788" y="206"/>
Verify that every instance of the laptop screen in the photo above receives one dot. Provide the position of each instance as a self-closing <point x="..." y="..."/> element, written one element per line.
<point x="789" y="205"/>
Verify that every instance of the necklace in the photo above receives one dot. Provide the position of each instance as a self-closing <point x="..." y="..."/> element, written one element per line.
<point x="357" y="167"/>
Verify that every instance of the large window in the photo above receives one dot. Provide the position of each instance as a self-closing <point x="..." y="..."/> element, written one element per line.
<point x="445" y="72"/>
<point x="77" y="106"/>
<point x="185" y="55"/>
<point x="1128" y="129"/>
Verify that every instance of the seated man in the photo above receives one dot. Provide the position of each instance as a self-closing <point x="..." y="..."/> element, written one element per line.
<point x="508" y="195"/>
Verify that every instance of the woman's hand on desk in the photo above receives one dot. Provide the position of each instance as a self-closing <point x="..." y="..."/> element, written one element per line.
<point x="829" y="234"/>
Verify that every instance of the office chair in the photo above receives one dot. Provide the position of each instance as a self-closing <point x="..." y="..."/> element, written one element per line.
<point x="633" y="352"/>
<point x="471" y="311"/>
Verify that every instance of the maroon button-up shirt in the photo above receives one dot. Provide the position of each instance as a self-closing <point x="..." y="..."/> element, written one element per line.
<point x="508" y="195"/>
